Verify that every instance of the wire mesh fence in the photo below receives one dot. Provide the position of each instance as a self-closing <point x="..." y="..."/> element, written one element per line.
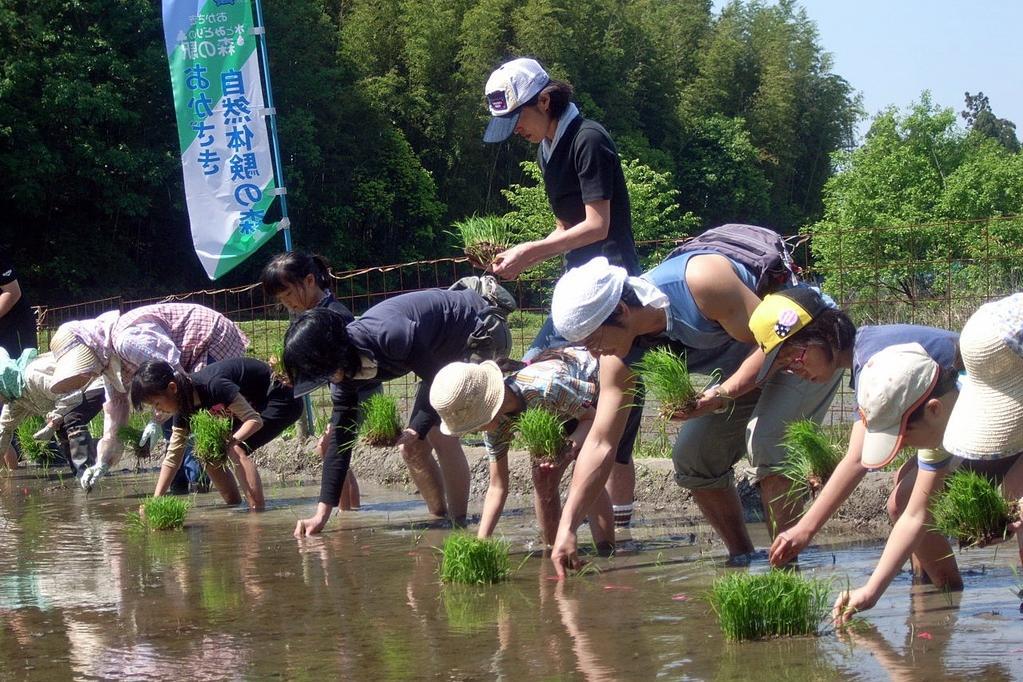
<point x="934" y="274"/>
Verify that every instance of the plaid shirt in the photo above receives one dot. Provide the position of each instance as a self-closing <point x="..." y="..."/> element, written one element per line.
<point x="563" y="382"/>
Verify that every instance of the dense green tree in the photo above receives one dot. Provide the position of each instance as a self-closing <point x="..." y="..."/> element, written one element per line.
<point x="982" y="120"/>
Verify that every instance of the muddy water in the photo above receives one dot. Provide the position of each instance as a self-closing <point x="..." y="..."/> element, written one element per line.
<point x="233" y="596"/>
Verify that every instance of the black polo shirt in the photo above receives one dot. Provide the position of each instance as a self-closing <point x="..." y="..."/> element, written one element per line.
<point x="584" y="168"/>
<point x="219" y="383"/>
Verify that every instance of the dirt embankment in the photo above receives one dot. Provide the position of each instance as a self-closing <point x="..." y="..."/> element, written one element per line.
<point x="656" y="491"/>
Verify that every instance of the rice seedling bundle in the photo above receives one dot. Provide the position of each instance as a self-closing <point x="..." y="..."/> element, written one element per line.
<point x="972" y="510"/>
<point x="542" y="434"/>
<point x="774" y="604"/>
<point x="160" y="513"/>
<point x="811" y="458"/>
<point x="380" y="424"/>
<point x="467" y="559"/>
<point x="483" y="237"/>
<point x="211" y="434"/>
<point x="35" y="451"/>
<point x="667" y="379"/>
<point x="131" y="433"/>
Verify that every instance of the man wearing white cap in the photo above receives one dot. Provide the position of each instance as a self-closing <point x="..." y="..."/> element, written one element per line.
<point x="985" y="423"/>
<point x="702" y="300"/>
<point x="586" y="189"/>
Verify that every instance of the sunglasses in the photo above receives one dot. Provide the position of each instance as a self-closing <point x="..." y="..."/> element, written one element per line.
<point x="796" y="361"/>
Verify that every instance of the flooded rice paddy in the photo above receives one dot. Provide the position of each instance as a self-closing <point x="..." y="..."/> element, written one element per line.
<point x="234" y="596"/>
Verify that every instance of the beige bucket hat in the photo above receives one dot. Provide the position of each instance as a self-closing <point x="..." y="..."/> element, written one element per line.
<point x="74" y="359"/>
<point x="467" y="396"/>
<point x="987" y="421"/>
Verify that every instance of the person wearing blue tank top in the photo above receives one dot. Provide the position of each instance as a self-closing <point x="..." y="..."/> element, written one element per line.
<point x="701" y="302"/>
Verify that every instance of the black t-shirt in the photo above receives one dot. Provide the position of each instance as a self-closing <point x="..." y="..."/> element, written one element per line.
<point x="20" y="316"/>
<point x="218" y="384"/>
<point x="584" y="168"/>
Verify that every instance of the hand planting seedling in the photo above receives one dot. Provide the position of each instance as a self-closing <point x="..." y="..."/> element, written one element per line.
<point x="774" y="604"/>
<point x="160" y="513"/>
<point x="130" y="435"/>
<point x="467" y="559"/>
<point x="276" y="361"/>
<point x="211" y="434"/>
<point x="483" y="237"/>
<point x="380" y="424"/>
<point x="667" y="378"/>
<point x="38" y="452"/>
<point x="542" y="433"/>
<point x="811" y="459"/>
<point x="972" y="510"/>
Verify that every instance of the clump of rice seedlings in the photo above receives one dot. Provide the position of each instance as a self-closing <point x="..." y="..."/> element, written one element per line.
<point x="380" y="423"/>
<point x="811" y="458"/>
<point x="131" y="433"/>
<point x="483" y="237"/>
<point x="467" y="559"/>
<point x="35" y="451"/>
<point x="276" y="361"/>
<point x="210" y="434"/>
<point x="972" y="510"/>
<point x="667" y="378"/>
<point x="160" y="513"/>
<point x="774" y="604"/>
<point x="542" y="434"/>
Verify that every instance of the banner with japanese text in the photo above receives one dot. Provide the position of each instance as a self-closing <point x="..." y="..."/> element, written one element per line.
<point x="225" y="148"/>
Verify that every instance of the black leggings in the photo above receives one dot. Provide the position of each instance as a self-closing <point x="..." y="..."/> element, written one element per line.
<point x="282" y="410"/>
<point x="75" y="439"/>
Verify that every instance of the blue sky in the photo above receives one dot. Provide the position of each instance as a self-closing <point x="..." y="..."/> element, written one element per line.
<point x="891" y="51"/>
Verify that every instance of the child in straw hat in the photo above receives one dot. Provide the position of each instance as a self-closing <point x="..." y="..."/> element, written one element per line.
<point x="472" y="397"/>
<point x="985" y="424"/>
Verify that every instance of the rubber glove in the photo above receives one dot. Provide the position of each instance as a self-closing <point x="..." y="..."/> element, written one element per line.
<point x="151" y="435"/>
<point x="91" y="475"/>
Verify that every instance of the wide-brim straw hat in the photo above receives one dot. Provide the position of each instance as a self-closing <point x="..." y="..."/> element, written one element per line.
<point x="467" y="396"/>
<point x="74" y="359"/>
<point x="987" y="421"/>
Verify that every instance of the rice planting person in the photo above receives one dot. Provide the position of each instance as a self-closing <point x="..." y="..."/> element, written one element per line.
<point x="300" y="281"/>
<point x="586" y="190"/>
<point x="418" y="332"/>
<point x="563" y="382"/>
<point x="700" y="299"/>
<point x="985" y="423"/>
<point x="17" y="327"/>
<point x="243" y="388"/>
<point x="114" y="345"/>
<point x="814" y="348"/>
<point x="25" y="388"/>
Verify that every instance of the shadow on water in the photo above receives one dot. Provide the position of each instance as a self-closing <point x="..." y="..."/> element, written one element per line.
<point x="234" y="596"/>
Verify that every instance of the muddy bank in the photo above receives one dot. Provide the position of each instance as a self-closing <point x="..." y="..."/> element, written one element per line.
<point x="293" y="460"/>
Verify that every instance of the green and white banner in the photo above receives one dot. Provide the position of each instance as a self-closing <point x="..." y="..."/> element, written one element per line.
<point x="225" y="148"/>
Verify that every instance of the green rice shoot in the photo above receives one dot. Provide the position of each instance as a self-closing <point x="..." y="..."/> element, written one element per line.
<point x="483" y="237"/>
<point x="160" y="513"/>
<point x="276" y="361"/>
<point x="131" y="433"/>
<point x="810" y="460"/>
<point x="467" y="559"/>
<point x="210" y="434"/>
<point x="667" y="379"/>
<point x="971" y="509"/>
<point x="773" y="604"/>
<point x="542" y="433"/>
<point x="35" y="451"/>
<point x="380" y="423"/>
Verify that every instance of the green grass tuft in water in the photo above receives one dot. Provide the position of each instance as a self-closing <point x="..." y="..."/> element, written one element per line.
<point x="380" y="423"/>
<point x="160" y="513"/>
<point x="810" y="460"/>
<point x="211" y="434"/>
<point x="467" y="559"/>
<point x="35" y="451"/>
<point x="542" y="434"/>
<point x="971" y="509"/>
<point x="774" y="604"/>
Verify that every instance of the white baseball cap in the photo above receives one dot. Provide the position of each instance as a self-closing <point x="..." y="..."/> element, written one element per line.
<point x="508" y="88"/>
<point x="987" y="421"/>
<point x="895" y="381"/>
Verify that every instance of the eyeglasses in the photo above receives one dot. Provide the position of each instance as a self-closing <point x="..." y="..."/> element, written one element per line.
<point x="796" y="362"/>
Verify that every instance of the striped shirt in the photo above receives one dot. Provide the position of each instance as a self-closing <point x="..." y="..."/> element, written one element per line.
<point x="563" y="382"/>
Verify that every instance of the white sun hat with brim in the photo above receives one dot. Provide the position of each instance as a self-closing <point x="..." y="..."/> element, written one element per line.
<point x="467" y="396"/>
<point x="987" y="421"/>
<point x="586" y="296"/>
<point x="895" y="381"/>
<point x="74" y="360"/>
